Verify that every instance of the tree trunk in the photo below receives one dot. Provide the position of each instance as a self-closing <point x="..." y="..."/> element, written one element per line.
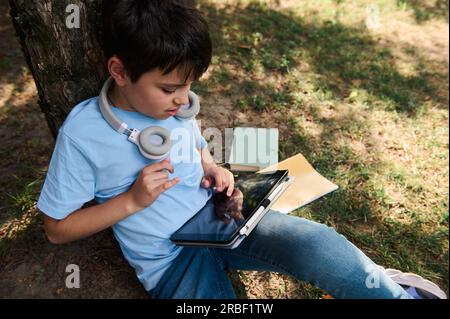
<point x="66" y="63"/>
<point x="65" y="59"/>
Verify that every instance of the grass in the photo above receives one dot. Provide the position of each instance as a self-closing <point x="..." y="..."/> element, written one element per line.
<point x="369" y="111"/>
<point x="377" y="130"/>
<point x="425" y="10"/>
<point x="344" y="61"/>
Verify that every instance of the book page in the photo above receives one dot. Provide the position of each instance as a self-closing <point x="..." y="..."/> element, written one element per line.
<point x="307" y="186"/>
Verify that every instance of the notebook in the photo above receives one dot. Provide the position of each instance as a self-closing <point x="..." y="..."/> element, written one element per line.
<point x="307" y="186"/>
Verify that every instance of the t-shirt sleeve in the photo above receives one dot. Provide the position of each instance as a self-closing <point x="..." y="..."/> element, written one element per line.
<point x="70" y="180"/>
<point x="200" y="141"/>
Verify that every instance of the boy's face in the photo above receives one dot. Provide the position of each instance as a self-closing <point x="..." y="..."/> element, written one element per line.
<point x="154" y="94"/>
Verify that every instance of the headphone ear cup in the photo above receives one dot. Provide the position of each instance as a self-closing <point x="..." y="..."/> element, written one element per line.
<point x="148" y="142"/>
<point x="191" y="111"/>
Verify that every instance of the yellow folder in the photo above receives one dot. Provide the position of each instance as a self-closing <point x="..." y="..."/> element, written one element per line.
<point x="308" y="184"/>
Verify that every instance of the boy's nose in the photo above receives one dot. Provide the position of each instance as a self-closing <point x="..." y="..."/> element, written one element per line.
<point x="182" y="98"/>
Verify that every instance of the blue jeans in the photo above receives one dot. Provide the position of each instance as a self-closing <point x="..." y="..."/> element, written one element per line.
<point x="306" y="250"/>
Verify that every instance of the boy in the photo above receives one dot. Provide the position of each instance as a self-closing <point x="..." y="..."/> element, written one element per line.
<point x="154" y="51"/>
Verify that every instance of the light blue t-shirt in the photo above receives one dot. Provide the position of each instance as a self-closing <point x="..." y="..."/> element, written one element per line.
<point x="92" y="161"/>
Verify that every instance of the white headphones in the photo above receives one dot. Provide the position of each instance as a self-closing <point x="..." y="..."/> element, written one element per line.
<point x="154" y="142"/>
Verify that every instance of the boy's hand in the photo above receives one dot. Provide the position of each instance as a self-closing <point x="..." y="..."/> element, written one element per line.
<point x="151" y="182"/>
<point x="220" y="178"/>
<point x="229" y="207"/>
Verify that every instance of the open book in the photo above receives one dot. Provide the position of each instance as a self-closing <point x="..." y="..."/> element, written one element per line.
<point x="307" y="186"/>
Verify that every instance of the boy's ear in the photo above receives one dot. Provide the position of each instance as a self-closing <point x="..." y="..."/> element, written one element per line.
<point x="117" y="70"/>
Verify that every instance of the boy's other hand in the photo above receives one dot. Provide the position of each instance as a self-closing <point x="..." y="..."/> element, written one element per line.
<point x="151" y="182"/>
<point x="229" y="207"/>
<point x="220" y="178"/>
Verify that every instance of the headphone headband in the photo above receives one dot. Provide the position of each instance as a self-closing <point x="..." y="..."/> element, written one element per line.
<point x="143" y="139"/>
<point x="106" y="109"/>
<point x="121" y="127"/>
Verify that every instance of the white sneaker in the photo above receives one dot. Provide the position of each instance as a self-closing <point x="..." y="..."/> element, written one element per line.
<point x="415" y="285"/>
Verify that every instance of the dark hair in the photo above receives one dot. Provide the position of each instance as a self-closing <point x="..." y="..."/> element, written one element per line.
<point x="151" y="34"/>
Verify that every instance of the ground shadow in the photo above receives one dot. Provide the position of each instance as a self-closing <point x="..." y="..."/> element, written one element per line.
<point x="10" y="52"/>
<point x="426" y="10"/>
<point x="34" y="268"/>
<point x="343" y="58"/>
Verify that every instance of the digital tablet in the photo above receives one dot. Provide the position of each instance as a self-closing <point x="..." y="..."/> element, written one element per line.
<point x="225" y="221"/>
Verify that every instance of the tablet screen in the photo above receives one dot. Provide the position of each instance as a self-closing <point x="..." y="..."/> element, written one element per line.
<point x="222" y="216"/>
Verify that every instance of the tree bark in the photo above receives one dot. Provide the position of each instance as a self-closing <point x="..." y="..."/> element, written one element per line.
<point x="67" y="63"/>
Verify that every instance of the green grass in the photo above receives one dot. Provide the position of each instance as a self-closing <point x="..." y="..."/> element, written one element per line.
<point x="426" y="10"/>
<point x="343" y="59"/>
<point x="325" y="61"/>
<point x="21" y="207"/>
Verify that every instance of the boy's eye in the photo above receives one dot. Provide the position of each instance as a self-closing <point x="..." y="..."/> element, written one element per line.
<point x="168" y="91"/>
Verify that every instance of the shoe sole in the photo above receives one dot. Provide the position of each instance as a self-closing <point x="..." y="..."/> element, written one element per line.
<point x="410" y="279"/>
